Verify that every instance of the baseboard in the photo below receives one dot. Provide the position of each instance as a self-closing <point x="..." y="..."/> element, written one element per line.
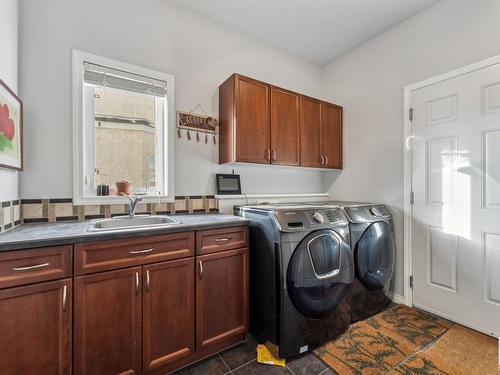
<point x="396" y="298"/>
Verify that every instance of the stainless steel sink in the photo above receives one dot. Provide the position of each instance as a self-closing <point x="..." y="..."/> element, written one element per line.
<point x="128" y="222"/>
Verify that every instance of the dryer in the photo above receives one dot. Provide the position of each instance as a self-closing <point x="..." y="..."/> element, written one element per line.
<point x="372" y="242"/>
<point x="301" y="273"/>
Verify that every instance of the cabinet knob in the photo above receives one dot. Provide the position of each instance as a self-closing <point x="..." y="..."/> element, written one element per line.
<point x="273" y="155"/>
<point x="326" y="159"/>
<point x="268" y="154"/>
<point x="322" y="159"/>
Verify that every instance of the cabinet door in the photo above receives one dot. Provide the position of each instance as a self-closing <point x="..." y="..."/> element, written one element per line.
<point x="221" y="296"/>
<point x="331" y="135"/>
<point x="285" y="127"/>
<point x="311" y="133"/>
<point x="253" y="131"/>
<point x="35" y="329"/>
<point x="168" y="312"/>
<point x="108" y="320"/>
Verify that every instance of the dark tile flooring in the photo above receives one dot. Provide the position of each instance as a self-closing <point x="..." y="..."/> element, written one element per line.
<point x="240" y="360"/>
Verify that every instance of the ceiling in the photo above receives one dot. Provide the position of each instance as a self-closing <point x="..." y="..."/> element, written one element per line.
<point x="316" y="30"/>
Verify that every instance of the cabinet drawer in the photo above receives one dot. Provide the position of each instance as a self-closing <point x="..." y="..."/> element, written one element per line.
<point x="32" y="266"/>
<point x="214" y="240"/>
<point x="108" y="255"/>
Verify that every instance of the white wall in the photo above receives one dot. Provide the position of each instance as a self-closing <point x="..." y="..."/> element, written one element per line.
<point x="8" y="73"/>
<point x="159" y="36"/>
<point x="369" y="83"/>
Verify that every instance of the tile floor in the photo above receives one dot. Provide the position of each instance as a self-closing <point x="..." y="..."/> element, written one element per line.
<point x="240" y="360"/>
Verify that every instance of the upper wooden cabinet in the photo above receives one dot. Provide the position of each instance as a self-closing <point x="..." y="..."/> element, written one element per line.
<point x="261" y="123"/>
<point x="245" y="124"/>
<point x="311" y="133"/>
<point x="331" y="135"/>
<point x="285" y="127"/>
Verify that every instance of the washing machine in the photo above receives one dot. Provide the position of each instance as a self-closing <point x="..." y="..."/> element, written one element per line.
<point x="372" y="242"/>
<point x="301" y="274"/>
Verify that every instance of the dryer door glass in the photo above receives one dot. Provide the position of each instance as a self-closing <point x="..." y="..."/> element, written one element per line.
<point x="324" y="251"/>
<point x="374" y="256"/>
<point x="320" y="273"/>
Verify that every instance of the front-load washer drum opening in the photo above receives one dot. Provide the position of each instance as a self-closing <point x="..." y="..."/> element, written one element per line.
<point x="374" y="256"/>
<point x="320" y="273"/>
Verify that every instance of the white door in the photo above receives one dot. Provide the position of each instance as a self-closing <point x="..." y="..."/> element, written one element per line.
<point x="456" y="212"/>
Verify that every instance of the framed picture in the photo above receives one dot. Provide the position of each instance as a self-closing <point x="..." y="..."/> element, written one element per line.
<point x="11" y="129"/>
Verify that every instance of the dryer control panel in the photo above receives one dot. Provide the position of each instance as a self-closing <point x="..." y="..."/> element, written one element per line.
<point x="367" y="214"/>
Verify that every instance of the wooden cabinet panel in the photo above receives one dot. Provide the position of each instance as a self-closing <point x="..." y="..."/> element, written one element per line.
<point x="311" y="132"/>
<point x="107" y="255"/>
<point x="215" y="240"/>
<point x="108" y="323"/>
<point x="168" y="312"/>
<point x="253" y="130"/>
<point x="30" y="266"/>
<point x="331" y="135"/>
<point x="285" y="127"/>
<point x="35" y="329"/>
<point x="221" y="296"/>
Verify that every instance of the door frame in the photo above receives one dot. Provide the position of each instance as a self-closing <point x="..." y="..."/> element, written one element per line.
<point x="408" y="134"/>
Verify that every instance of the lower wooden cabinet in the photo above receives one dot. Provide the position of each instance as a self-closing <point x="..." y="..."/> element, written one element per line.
<point x="221" y="296"/>
<point x="35" y="329"/>
<point x="148" y="318"/>
<point x="108" y="323"/>
<point x="168" y="312"/>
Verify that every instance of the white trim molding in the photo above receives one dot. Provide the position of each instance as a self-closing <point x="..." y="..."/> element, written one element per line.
<point x="396" y="298"/>
<point x="165" y="163"/>
<point x="270" y="195"/>
<point x="408" y="136"/>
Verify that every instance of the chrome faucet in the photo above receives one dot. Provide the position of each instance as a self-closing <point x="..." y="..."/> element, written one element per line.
<point x="132" y="204"/>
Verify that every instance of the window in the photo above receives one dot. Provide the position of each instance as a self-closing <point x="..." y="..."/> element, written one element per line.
<point x="123" y="120"/>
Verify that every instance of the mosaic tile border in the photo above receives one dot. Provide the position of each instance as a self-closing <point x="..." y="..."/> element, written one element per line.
<point x="10" y="215"/>
<point x="52" y="210"/>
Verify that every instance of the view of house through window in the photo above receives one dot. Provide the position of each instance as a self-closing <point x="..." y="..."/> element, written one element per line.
<point x="124" y="132"/>
<point x="125" y="138"/>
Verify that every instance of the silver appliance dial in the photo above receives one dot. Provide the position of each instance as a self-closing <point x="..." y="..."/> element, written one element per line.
<point x="318" y="217"/>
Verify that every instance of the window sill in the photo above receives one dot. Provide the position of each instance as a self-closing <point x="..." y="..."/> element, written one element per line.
<point x="110" y="199"/>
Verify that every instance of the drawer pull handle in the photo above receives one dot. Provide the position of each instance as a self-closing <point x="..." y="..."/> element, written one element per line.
<point x="148" y="280"/>
<point x="27" y="268"/>
<point x="140" y="251"/>
<point x="225" y="239"/>
<point x="201" y="269"/>
<point x="64" y="298"/>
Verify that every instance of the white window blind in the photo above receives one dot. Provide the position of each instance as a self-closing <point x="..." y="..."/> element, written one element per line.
<point x="99" y="75"/>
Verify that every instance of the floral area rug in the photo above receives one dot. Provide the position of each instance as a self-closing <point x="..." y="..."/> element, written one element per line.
<point x="408" y="341"/>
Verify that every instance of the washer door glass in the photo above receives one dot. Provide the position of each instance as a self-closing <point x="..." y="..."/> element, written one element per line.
<point x="374" y="256"/>
<point x="320" y="273"/>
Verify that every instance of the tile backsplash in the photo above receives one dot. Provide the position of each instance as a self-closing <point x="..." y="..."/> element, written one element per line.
<point x="62" y="209"/>
<point x="10" y="215"/>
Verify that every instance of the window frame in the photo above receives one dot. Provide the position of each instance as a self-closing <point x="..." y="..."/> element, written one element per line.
<point x="167" y="132"/>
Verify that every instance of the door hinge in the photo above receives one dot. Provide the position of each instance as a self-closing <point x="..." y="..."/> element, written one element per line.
<point x="412" y="197"/>
<point x="411" y="281"/>
<point x="410" y="114"/>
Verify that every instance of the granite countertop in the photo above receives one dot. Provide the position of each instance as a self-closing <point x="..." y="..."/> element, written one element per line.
<point x="33" y="235"/>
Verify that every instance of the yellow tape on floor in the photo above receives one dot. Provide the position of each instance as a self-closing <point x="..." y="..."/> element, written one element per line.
<point x="265" y="356"/>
